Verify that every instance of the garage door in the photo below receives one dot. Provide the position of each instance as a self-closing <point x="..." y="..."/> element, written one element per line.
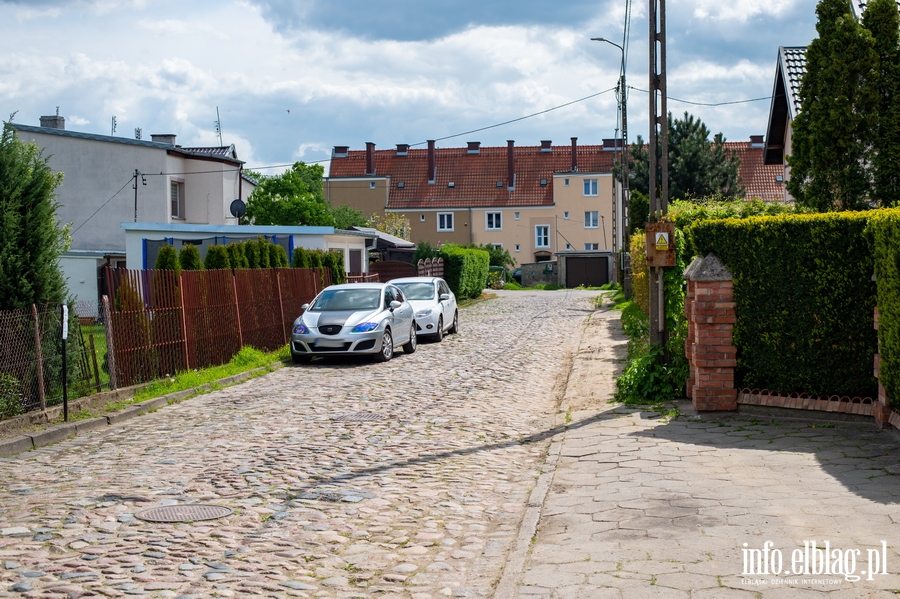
<point x="590" y="271"/>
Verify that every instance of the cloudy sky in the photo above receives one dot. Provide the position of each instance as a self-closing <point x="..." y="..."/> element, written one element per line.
<point x="292" y="78"/>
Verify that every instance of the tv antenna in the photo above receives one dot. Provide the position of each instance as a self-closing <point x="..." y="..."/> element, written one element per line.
<point x="113" y="131"/>
<point x="219" y="127"/>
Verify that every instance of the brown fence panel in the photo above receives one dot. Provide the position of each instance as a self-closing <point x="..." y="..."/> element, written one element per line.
<point x="260" y="309"/>
<point x="392" y="269"/>
<point x="210" y="316"/>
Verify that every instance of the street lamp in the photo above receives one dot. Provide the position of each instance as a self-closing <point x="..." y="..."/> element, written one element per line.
<point x="621" y="97"/>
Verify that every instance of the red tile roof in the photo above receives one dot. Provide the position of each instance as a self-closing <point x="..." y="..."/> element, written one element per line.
<point x="758" y="178"/>
<point x="474" y="176"/>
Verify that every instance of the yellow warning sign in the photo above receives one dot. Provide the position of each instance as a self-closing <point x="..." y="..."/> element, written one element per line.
<point x="662" y="241"/>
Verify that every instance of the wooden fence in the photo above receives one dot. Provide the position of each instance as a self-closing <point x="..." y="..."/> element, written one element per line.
<point x="431" y="267"/>
<point x="160" y="324"/>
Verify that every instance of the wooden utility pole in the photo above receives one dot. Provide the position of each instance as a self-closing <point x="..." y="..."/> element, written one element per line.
<point x="659" y="157"/>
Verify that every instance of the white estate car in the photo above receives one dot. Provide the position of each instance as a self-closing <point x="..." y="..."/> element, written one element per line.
<point x="433" y="303"/>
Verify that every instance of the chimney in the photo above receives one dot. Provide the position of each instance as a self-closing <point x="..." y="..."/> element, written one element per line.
<point x="574" y="167"/>
<point x="474" y="147"/>
<point x="432" y="167"/>
<point x="163" y="138"/>
<point x="756" y="141"/>
<point x="370" y="158"/>
<point x="546" y="145"/>
<point x="340" y="151"/>
<point x="53" y="122"/>
<point x="510" y="164"/>
<point x="402" y="149"/>
<point x="612" y="145"/>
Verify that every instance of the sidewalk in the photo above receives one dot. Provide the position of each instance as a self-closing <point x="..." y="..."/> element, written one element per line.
<point x="631" y="505"/>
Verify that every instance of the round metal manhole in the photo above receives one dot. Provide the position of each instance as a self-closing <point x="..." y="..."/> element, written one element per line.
<point x="184" y="513"/>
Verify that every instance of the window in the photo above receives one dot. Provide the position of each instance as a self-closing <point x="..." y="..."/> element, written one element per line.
<point x="445" y="221"/>
<point x="591" y="219"/>
<point x="568" y="246"/>
<point x="177" y="199"/>
<point x="494" y="222"/>
<point x="566" y="215"/>
<point x="421" y="218"/>
<point x="566" y="182"/>
<point x="592" y="246"/>
<point x="372" y="185"/>
<point x="590" y="187"/>
<point x="542" y="236"/>
<point x="516" y="215"/>
<point x="517" y="247"/>
<point x="497" y="245"/>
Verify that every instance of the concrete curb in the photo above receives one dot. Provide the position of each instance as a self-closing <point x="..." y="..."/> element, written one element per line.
<point x="61" y="432"/>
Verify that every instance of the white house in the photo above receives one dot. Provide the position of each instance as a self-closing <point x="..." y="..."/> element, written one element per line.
<point x="109" y="180"/>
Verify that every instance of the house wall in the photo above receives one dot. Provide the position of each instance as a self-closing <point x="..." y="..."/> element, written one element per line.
<point x="427" y="229"/>
<point x="81" y="280"/>
<point x="94" y="175"/>
<point x="358" y="193"/>
<point x="570" y="198"/>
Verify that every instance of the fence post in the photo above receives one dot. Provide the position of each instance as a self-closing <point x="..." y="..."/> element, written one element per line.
<point x="110" y="345"/>
<point x="237" y="310"/>
<point x="39" y="357"/>
<point x="712" y="356"/>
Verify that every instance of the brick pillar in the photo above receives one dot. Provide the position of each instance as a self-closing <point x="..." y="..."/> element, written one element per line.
<point x="882" y="411"/>
<point x="711" y="352"/>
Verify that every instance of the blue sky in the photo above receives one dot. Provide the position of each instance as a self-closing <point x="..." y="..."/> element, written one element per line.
<point x="292" y="78"/>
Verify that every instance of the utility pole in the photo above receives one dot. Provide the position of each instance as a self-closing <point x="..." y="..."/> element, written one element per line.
<point x="135" y="176"/>
<point x="659" y="164"/>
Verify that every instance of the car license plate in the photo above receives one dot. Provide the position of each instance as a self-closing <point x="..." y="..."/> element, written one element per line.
<point x="328" y="343"/>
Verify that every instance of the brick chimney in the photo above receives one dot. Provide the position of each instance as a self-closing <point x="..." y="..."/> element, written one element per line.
<point x="574" y="167"/>
<point x="163" y="138"/>
<point x="402" y="149"/>
<point x="340" y="151"/>
<point x="432" y="167"/>
<point x="510" y="164"/>
<point x="473" y="147"/>
<point x="370" y="158"/>
<point x="53" y="122"/>
<point x="546" y="145"/>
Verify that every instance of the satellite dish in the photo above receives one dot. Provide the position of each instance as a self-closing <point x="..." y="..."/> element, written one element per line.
<point x="238" y="208"/>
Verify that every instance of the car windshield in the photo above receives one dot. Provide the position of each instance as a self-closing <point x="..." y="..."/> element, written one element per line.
<point x="417" y="291"/>
<point x="347" y="299"/>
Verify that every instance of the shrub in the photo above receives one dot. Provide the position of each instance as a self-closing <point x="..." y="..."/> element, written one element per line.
<point x="234" y="255"/>
<point x="262" y="247"/>
<point x="334" y="261"/>
<point x="167" y="259"/>
<point x="251" y="252"/>
<point x="10" y="396"/>
<point x="189" y="258"/>
<point x="425" y="250"/>
<point x="640" y="274"/>
<point x="465" y="270"/>
<point x="277" y="256"/>
<point x="805" y="299"/>
<point x="217" y="258"/>
<point x="300" y="258"/>
<point x="884" y="234"/>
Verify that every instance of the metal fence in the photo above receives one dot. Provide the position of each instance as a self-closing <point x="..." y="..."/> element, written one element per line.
<point x="31" y="364"/>
<point x="161" y="324"/>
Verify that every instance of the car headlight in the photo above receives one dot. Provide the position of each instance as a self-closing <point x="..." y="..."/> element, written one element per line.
<point x="300" y="329"/>
<point x="365" y="327"/>
<point x="424" y="313"/>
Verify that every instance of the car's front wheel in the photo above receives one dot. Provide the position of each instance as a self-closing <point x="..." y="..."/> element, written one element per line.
<point x="387" y="347"/>
<point x="410" y="346"/>
<point x="439" y="334"/>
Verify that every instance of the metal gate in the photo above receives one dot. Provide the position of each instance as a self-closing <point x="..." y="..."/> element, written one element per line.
<point x="588" y="271"/>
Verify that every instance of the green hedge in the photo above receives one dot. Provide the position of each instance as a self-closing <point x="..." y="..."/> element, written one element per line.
<point x="884" y="230"/>
<point x="805" y="298"/>
<point x="465" y="270"/>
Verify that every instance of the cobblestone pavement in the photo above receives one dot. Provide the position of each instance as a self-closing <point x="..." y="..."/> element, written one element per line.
<point x="642" y="506"/>
<point x="420" y="497"/>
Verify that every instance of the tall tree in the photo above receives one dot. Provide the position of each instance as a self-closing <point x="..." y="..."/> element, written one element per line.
<point x="392" y="223"/>
<point x="294" y="197"/>
<point x="830" y="149"/>
<point x="346" y="217"/>
<point x="882" y="19"/>
<point x="31" y="239"/>
<point x="698" y="167"/>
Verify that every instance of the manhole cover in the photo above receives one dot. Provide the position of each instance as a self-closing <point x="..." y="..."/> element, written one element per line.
<point x="183" y="513"/>
<point x="358" y="417"/>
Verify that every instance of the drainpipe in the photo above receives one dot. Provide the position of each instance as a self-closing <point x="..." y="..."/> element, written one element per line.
<point x="471" y="227"/>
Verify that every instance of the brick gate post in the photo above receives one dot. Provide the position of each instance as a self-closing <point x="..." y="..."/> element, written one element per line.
<point x="709" y="348"/>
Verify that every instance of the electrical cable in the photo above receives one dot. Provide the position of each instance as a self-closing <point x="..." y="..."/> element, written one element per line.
<point x="705" y="103"/>
<point x="102" y="205"/>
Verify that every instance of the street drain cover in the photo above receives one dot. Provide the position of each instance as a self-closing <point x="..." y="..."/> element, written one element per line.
<point x="359" y="417"/>
<point x="184" y="513"/>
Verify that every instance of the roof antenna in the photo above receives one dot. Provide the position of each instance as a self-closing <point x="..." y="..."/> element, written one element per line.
<point x="219" y="127"/>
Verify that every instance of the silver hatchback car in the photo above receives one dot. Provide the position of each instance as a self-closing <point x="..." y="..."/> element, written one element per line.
<point x="356" y="318"/>
<point x="434" y="304"/>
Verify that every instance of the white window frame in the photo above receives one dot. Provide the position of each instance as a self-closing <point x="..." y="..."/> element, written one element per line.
<point x="590" y="187"/>
<point x="517" y="247"/>
<point x="591" y="246"/>
<point x="516" y="215"/>
<point x="591" y="219"/>
<point x="497" y="245"/>
<point x="566" y="182"/>
<point x="176" y="206"/>
<point x="421" y="218"/>
<point x="566" y="215"/>
<point x="442" y="218"/>
<point x="545" y="237"/>
<point x="493" y="221"/>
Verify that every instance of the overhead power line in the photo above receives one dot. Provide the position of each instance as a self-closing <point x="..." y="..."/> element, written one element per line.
<point x="705" y="103"/>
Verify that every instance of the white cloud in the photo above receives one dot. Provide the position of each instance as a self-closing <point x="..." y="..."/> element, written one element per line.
<point x="29" y="14"/>
<point x="743" y="11"/>
<point x="168" y="26"/>
<point x="74" y="119"/>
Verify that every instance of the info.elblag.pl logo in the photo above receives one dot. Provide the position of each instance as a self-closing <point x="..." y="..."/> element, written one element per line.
<point x="813" y="560"/>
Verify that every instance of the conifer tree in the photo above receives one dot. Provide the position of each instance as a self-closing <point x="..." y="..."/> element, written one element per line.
<point x="830" y="136"/>
<point x="30" y="237"/>
<point x="189" y="258"/>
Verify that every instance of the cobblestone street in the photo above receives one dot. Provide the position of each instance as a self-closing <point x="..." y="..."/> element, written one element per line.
<point x="347" y="478"/>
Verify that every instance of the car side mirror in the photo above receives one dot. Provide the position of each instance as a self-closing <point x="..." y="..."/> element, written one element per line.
<point x="445" y="297"/>
<point x="395" y="304"/>
<point x="304" y="307"/>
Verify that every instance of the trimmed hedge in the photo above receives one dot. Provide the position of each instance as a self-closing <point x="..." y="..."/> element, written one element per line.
<point x="884" y="232"/>
<point x="805" y="299"/>
<point x="465" y="270"/>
